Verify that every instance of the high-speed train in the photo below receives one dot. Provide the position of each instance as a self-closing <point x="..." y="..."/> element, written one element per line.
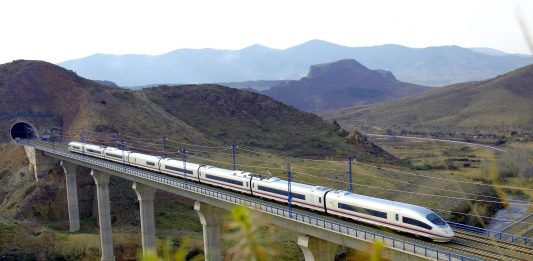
<point x="398" y="216"/>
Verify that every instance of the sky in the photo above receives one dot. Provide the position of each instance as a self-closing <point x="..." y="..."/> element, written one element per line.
<point x="60" y="30"/>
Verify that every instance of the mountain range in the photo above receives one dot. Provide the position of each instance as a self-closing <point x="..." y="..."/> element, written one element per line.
<point x="499" y="105"/>
<point x="431" y="66"/>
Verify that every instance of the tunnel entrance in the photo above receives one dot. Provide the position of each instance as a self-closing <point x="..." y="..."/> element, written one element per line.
<point x="23" y="130"/>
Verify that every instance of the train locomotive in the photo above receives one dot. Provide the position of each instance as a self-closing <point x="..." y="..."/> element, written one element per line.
<point x="397" y="216"/>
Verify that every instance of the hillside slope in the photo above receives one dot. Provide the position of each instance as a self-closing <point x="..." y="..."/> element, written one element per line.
<point x="207" y="115"/>
<point x="432" y="66"/>
<point x="194" y="113"/>
<point x="33" y="216"/>
<point x="340" y="84"/>
<point x="504" y="103"/>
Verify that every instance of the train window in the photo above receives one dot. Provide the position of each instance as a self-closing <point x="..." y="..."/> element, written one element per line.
<point x="281" y="192"/>
<point x="178" y="169"/>
<point x="114" y="156"/>
<point x="363" y="210"/>
<point x="150" y="163"/>
<point x="76" y="147"/>
<point x="246" y="184"/>
<point x="414" y="222"/>
<point x="319" y="200"/>
<point x="232" y="181"/>
<point x="397" y="217"/>
<point x="433" y="218"/>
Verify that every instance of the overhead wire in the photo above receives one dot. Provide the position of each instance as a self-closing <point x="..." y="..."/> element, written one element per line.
<point x="371" y="166"/>
<point x="481" y="216"/>
<point x="397" y="171"/>
<point x="451" y="180"/>
<point x="415" y="193"/>
<point x="357" y="184"/>
<point x="319" y="177"/>
<point x="389" y="179"/>
<point x="228" y="163"/>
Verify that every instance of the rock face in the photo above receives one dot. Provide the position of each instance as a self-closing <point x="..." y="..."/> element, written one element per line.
<point x="22" y="198"/>
<point x="341" y="84"/>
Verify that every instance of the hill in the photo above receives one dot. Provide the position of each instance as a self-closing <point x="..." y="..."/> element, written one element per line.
<point x="190" y="113"/>
<point x="501" y="104"/>
<point x="34" y="88"/>
<point x="33" y="217"/>
<point x="209" y="115"/>
<point x="432" y="66"/>
<point x="341" y="84"/>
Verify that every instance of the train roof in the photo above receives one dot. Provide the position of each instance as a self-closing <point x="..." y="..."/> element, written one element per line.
<point x="179" y="163"/>
<point x="93" y="146"/>
<point x="221" y="171"/>
<point x="302" y="186"/>
<point x="144" y="156"/>
<point x="382" y="203"/>
<point x="113" y="149"/>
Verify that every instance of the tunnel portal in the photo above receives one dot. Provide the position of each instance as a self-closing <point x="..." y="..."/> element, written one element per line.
<point x="23" y="130"/>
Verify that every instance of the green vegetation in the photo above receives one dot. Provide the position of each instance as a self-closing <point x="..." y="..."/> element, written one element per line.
<point x="248" y="237"/>
<point x="167" y="253"/>
<point x="177" y="217"/>
<point x="248" y="119"/>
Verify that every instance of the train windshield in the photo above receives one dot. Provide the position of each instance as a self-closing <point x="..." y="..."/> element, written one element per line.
<point x="433" y="218"/>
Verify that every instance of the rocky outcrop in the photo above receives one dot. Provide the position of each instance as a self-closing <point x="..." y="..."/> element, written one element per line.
<point x="341" y="84"/>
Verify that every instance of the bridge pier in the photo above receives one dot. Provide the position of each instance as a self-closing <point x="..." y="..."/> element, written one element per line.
<point x="72" y="195"/>
<point x="40" y="164"/>
<point x="210" y="219"/>
<point x="316" y="249"/>
<point x="145" y="195"/>
<point x="104" y="214"/>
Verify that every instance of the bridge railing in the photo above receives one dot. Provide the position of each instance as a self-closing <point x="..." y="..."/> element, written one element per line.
<point x="493" y="234"/>
<point x="351" y="230"/>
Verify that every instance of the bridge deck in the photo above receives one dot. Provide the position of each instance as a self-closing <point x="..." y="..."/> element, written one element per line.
<point x="342" y="232"/>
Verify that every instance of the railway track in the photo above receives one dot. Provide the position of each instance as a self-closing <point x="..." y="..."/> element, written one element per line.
<point x="472" y="245"/>
<point x="477" y="246"/>
<point x="524" y="250"/>
<point x="468" y="244"/>
<point x="484" y="254"/>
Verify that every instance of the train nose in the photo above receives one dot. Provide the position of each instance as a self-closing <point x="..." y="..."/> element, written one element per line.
<point x="448" y="232"/>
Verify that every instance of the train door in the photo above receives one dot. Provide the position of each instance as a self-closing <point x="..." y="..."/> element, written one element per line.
<point x="201" y="173"/>
<point x="317" y="198"/>
<point x="397" y="217"/>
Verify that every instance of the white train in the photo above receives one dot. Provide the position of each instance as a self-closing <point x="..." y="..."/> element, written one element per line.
<point x="398" y="216"/>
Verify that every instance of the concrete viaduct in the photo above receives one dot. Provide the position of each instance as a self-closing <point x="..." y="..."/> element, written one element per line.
<point x="319" y="238"/>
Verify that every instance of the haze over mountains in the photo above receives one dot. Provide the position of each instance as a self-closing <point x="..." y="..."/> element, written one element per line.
<point x="432" y="66"/>
<point x="340" y="84"/>
<point x="501" y="104"/>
